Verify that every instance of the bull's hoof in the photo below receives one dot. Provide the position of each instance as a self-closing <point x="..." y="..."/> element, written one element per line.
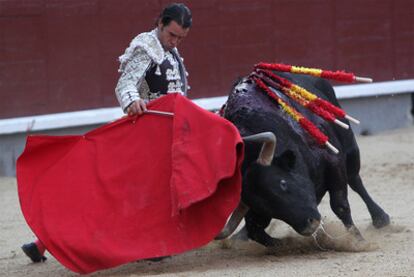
<point x="353" y="230"/>
<point x="272" y="242"/>
<point x="381" y="221"/>
<point x="264" y="239"/>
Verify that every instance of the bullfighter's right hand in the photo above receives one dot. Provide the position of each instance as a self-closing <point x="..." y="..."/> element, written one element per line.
<point x="137" y="107"/>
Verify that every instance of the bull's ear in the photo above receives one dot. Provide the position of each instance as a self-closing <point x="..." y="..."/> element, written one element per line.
<point x="286" y="160"/>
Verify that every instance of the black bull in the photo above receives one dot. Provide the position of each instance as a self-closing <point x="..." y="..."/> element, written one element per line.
<point x="301" y="172"/>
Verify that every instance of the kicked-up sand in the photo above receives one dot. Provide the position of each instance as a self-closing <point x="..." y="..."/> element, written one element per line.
<point x="388" y="174"/>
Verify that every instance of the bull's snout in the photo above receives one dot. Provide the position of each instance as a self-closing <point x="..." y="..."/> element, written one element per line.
<point x="312" y="225"/>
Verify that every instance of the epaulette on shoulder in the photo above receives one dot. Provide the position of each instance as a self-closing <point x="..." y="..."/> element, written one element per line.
<point x="147" y="41"/>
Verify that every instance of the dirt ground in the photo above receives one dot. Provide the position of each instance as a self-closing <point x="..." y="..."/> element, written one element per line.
<point x="388" y="173"/>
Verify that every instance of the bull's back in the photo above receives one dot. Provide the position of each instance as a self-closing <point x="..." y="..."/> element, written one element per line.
<point x="252" y="111"/>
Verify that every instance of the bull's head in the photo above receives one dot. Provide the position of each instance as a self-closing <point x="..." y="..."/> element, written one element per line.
<point x="280" y="191"/>
<point x="273" y="189"/>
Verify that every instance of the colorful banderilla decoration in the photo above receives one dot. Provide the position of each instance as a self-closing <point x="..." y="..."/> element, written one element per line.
<point x="340" y="76"/>
<point x="321" y="107"/>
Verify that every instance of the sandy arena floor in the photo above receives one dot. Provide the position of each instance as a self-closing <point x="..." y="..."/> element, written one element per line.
<point x="388" y="173"/>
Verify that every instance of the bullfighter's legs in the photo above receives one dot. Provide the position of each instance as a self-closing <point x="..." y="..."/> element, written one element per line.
<point x="255" y="225"/>
<point x="379" y="217"/>
<point x="35" y="251"/>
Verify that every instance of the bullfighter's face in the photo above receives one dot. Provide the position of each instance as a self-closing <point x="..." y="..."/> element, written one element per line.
<point x="171" y="35"/>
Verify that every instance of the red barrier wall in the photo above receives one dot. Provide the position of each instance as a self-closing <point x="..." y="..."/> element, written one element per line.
<point x="58" y="56"/>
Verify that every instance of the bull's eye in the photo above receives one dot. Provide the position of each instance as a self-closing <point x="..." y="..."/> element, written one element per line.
<point x="283" y="185"/>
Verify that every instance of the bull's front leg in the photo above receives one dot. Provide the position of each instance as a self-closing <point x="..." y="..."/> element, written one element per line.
<point x="256" y="225"/>
<point x="340" y="206"/>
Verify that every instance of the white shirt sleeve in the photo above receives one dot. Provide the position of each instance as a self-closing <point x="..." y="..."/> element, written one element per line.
<point x="132" y="75"/>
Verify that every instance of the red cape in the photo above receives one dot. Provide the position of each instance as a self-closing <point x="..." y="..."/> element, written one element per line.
<point x="139" y="187"/>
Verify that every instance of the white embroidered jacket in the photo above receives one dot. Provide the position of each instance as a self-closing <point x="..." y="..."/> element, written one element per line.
<point x="143" y="51"/>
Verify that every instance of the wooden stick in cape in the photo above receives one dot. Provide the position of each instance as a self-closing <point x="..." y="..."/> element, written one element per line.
<point x="320" y="137"/>
<point x="159" y="112"/>
<point x="340" y="76"/>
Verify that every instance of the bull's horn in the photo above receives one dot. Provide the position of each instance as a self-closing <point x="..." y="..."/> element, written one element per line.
<point x="268" y="148"/>
<point x="234" y="221"/>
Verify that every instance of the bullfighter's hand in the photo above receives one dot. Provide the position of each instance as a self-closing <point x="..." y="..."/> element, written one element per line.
<point x="137" y="107"/>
